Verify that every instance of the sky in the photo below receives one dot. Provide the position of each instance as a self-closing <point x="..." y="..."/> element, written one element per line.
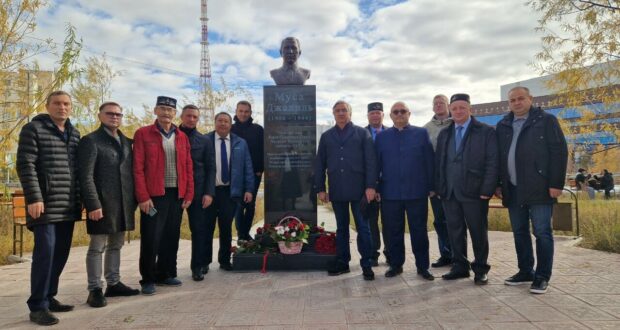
<point x="360" y="51"/>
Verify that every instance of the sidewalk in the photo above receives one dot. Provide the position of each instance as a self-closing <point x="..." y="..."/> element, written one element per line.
<point x="584" y="293"/>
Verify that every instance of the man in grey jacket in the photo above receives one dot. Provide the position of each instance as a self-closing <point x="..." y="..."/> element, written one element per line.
<point x="106" y="180"/>
<point x="440" y="120"/>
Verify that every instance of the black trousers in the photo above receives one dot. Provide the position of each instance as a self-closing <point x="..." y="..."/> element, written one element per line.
<point x="199" y="227"/>
<point x="461" y="216"/>
<point x="245" y="213"/>
<point x="376" y="233"/>
<point x="159" y="242"/>
<point x="222" y="211"/>
<point x="52" y="243"/>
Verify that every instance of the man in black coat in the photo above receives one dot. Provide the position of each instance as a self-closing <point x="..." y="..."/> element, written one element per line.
<point x="533" y="156"/>
<point x="203" y="159"/>
<point x="375" y="126"/>
<point x="253" y="135"/>
<point x="466" y="177"/>
<point x="347" y="153"/>
<point x="106" y="180"/>
<point x="47" y="169"/>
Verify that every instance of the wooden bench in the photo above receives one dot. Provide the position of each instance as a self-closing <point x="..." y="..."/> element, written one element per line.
<point x="19" y="220"/>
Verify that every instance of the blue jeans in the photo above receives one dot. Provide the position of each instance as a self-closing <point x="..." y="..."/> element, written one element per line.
<point x="52" y="243"/>
<point x="441" y="228"/>
<point x="364" y="241"/>
<point x="540" y="216"/>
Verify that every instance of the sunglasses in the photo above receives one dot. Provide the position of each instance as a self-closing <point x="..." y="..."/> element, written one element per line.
<point x="114" y="114"/>
<point x="399" y="111"/>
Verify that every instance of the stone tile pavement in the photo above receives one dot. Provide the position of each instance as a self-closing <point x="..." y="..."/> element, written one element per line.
<point x="584" y="293"/>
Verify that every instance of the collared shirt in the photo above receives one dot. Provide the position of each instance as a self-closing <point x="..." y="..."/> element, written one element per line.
<point x="116" y="137"/>
<point x="218" y="158"/>
<point x="375" y="131"/>
<point x="163" y="132"/>
<point x="517" y="125"/>
<point x="343" y="131"/>
<point x="464" y="125"/>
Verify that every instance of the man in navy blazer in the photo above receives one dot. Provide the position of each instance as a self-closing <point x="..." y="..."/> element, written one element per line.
<point x="405" y="158"/>
<point x="346" y="154"/>
<point x="375" y="126"/>
<point x="234" y="182"/>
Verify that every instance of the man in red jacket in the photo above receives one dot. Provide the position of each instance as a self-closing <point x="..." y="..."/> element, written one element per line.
<point x="164" y="184"/>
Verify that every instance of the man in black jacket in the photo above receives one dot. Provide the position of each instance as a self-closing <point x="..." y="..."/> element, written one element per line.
<point x="203" y="159"/>
<point x="533" y="156"/>
<point x="47" y="169"/>
<point x="253" y="135"/>
<point x="466" y="177"/>
<point x="106" y="181"/>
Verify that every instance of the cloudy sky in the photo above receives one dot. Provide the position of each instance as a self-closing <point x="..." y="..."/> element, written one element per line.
<point x="358" y="50"/>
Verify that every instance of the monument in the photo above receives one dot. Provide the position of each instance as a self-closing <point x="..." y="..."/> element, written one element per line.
<point x="290" y="149"/>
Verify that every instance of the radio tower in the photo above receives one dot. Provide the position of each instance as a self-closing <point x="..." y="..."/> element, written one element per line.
<point x="205" y="70"/>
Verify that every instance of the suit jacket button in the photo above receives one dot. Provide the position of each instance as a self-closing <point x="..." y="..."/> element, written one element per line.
<point x="341" y="170"/>
<point x="341" y="158"/>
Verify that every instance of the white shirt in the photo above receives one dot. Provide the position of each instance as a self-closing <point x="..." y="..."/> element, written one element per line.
<point x="218" y="159"/>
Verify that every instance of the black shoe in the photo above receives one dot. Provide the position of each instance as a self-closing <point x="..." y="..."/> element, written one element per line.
<point x="426" y="274"/>
<point x="453" y="275"/>
<point x="57" y="307"/>
<point x="197" y="275"/>
<point x="226" y="267"/>
<point x="539" y="286"/>
<point x="204" y="269"/>
<point x="393" y="271"/>
<point x="519" y="278"/>
<point x="96" y="298"/>
<point x="338" y="269"/>
<point x="441" y="262"/>
<point x="374" y="262"/>
<point x="481" y="279"/>
<point x="369" y="275"/>
<point x="120" y="290"/>
<point x="43" y="317"/>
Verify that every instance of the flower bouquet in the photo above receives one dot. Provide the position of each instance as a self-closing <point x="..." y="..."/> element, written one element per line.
<point x="291" y="234"/>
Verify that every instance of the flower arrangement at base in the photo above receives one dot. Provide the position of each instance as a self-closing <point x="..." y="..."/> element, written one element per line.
<point x="326" y="243"/>
<point x="290" y="233"/>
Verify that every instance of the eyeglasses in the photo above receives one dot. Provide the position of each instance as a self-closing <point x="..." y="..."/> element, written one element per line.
<point x="399" y="111"/>
<point x="114" y="114"/>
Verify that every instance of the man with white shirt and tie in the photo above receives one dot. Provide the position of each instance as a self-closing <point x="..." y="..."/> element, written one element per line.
<point x="466" y="176"/>
<point x="234" y="182"/>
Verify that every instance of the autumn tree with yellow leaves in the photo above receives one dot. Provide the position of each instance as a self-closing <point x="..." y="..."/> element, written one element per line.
<point x="581" y="50"/>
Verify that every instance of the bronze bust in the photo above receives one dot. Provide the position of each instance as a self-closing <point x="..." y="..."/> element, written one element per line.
<point x="290" y="73"/>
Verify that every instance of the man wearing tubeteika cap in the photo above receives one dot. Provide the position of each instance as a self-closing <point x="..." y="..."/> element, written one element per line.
<point x="164" y="184"/>
<point x="375" y="126"/>
<point x="466" y="176"/>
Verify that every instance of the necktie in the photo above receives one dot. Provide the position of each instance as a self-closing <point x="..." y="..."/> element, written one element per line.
<point x="459" y="137"/>
<point x="224" y="161"/>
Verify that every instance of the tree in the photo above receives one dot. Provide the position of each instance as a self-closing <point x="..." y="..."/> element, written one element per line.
<point x="18" y="49"/>
<point x="580" y="50"/>
<point x="92" y="87"/>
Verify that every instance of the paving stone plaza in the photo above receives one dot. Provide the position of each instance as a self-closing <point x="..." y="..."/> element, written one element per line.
<point x="584" y="293"/>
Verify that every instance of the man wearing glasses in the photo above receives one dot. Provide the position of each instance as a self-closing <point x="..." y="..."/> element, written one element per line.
<point x="405" y="161"/>
<point x="164" y="184"/>
<point x="106" y="183"/>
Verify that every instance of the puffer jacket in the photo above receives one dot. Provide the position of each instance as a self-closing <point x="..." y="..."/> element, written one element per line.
<point x="47" y="169"/>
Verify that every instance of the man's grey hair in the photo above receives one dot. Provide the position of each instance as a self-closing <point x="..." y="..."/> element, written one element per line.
<point x="346" y="104"/>
<point x="527" y="90"/>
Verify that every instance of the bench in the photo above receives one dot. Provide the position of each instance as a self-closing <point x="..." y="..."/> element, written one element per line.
<point x="19" y="221"/>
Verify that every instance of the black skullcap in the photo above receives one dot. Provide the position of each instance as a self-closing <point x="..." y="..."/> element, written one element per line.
<point x="459" y="97"/>
<point x="375" y="106"/>
<point x="166" y="101"/>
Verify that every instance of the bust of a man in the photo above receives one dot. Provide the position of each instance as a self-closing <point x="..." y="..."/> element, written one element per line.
<point x="290" y="73"/>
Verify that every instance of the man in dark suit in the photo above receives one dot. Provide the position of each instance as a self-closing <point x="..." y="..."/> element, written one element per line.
<point x="106" y="181"/>
<point x="234" y="183"/>
<point x="467" y="165"/>
<point x="405" y="160"/>
<point x="203" y="160"/>
<point x="532" y="172"/>
<point x="346" y="152"/>
<point x="375" y="126"/>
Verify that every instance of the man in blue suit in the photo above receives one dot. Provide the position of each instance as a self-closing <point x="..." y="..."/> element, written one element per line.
<point x="405" y="158"/>
<point x="347" y="155"/>
<point x="234" y="182"/>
